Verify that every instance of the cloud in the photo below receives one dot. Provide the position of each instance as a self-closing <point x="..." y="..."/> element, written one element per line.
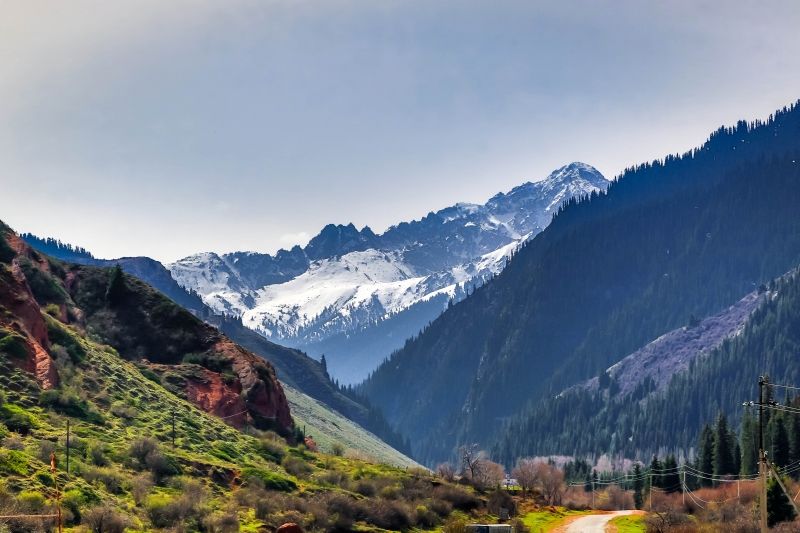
<point x="300" y="238"/>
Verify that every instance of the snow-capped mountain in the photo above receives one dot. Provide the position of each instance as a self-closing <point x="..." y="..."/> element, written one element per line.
<point x="355" y="295"/>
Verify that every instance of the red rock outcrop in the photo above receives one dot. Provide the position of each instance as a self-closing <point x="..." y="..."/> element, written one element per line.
<point x="24" y="317"/>
<point x="263" y="394"/>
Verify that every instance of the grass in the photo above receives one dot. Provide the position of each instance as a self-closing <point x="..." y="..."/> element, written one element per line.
<point x="328" y="427"/>
<point x="546" y="520"/>
<point x="629" y="524"/>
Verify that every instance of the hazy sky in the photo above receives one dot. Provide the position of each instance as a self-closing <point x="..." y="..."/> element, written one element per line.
<point x="165" y="128"/>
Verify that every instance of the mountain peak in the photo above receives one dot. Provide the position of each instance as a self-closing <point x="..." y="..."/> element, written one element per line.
<point x="577" y="171"/>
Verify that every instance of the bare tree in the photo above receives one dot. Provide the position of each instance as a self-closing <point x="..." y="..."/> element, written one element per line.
<point x="490" y="474"/>
<point x="551" y="480"/>
<point x="526" y="473"/>
<point x="446" y="471"/>
<point x="471" y="459"/>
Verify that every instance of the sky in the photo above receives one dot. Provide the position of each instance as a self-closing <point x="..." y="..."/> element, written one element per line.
<point x="169" y="128"/>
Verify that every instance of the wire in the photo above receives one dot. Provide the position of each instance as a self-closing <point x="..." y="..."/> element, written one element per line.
<point x="790" y="387"/>
<point x="235" y="414"/>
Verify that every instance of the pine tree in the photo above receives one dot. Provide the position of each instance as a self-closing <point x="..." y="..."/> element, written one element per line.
<point x="749" y="451"/>
<point x="705" y="459"/>
<point x="655" y="473"/>
<point x="638" y="485"/>
<point x="672" y="478"/>
<point x="723" y="449"/>
<point x="324" y="364"/>
<point x="780" y="443"/>
<point x="116" y="286"/>
<point x="779" y="509"/>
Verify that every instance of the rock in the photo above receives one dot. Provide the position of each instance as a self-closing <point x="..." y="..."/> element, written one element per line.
<point x="291" y="527"/>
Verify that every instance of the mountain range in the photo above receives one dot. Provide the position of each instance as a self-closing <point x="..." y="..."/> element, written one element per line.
<point x="687" y="236"/>
<point x="356" y="296"/>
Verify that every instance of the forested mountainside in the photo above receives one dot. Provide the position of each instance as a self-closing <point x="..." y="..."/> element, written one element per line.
<point x="293" y="367"/>
<point x="689" y="235"/>
<point x="47" y="303"/>
<point x="331" y="296"/>
<point x="652" y="420"/>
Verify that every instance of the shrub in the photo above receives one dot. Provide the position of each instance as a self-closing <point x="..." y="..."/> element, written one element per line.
<point x="271" y="450"/>
<point x="13" y="344"/>
<point x="295" y="466"/>
<point x="141" y="486"/>
<point x="460" y="499"/>
<point x="105" y="519"/>
<point x="161" y="466"/>
<point x="455" y="525"/>
<point x="31" y="501"/>
<point x="141" y="447"/>
<point x="337" y="449"/>
<point x="13" y="462"/>
<point x="224" y="523"/>
<point x="425" y="517"/>
<point x="46" y="448"/>
<point x="268" y="480"/>
<point x="74" y="500"/>
<point x="16" y="418"/>
<point x="500" y="499"/>
<point x="109" y="477"/>
<point x="366" y="488"/>
<point x="159" y="510"/>
<point x="68" y="402"/>
<point x="95" y="453"/>
<point x="388" y="515"/>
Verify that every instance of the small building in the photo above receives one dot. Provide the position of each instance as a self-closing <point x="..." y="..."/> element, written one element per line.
<point x="489" y="528"/>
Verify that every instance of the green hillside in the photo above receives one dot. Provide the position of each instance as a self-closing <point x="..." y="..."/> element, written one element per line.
<point x="330" y="429"/>
<point x="125" y="466"/>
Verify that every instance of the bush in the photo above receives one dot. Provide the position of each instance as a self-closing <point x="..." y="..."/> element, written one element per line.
<point x="46" y="448"/>
<point x="268" y="480"/>
<point x="455" y="525"/>
<point x="271" y="450"/>
<point x="141" y="447"/>
<point x="337" y="449"/>
<point x="105" y="519"/>
<point x="388" y="515"/>
<point x="366" y="488"/>
<point x="13" y="462"/>
<point x="500" y="499"/>
<point x="31" y="501"/>
<point x="16" y="418"/>
<point x="295" y="466"/>
<point x="460" y="499"/>
<point x="160" y="511"/>
<point x="109" y="477"/>
<point x="425" y="517"/>
<point x="141" y="487"/>
<point x="67" y="402"/>
<point x="95" y="453"/>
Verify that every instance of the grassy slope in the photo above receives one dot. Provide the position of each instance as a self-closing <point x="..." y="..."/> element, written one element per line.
<point x="328" y="427"/>
<point x="125" y="405"/>
<point x="629" y="524"/>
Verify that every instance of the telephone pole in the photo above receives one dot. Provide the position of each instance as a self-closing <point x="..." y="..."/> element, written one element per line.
<point x="762" y="454"/>
<point x="67" y="446"/>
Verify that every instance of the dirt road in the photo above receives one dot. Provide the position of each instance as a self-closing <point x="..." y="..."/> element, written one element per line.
<point x="595" y="523"/>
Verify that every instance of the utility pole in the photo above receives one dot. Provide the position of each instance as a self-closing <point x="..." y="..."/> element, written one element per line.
<point x="650" y="496"/>
<point x="592" y="492"/>
<point x="67" y="446"/>
<point x="683" y="485"/>
<point x="762" y="465"/>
